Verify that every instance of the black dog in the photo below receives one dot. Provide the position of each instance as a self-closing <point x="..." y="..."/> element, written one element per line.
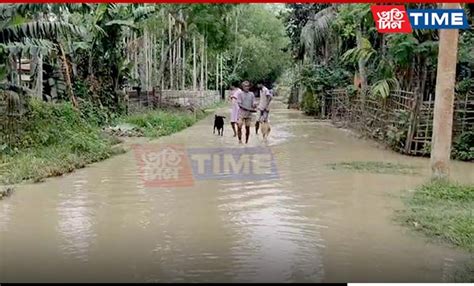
<point x="219" y="124"/>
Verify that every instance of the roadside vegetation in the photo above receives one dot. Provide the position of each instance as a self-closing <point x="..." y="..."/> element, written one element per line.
<point x="161" y="123"/>
<point x="54" y="139"/>
<point x="375" y="167"/>
<point x="336" y="47"/>
<point x="443" y="211"/>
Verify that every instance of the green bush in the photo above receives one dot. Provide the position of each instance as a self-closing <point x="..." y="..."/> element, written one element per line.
<point x="310" y="103"/>
<point x="463" y="147"/>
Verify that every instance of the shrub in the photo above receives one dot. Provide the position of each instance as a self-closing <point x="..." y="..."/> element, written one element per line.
<point x="463" y="147"/>
<point x="310" y="103"/>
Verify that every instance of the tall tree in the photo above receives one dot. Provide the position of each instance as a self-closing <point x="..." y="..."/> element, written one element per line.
<point x="444" y="100"/>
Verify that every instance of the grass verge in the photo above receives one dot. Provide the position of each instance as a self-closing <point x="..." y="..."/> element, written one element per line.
<point x="158" y="123"/>
<point x="375" y="167"/>
<point x="443" y="211"/>
<point x="51" y="140"/>
<point x="54" y="139"/>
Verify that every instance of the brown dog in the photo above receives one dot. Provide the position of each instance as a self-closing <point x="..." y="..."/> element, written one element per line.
<point x="266" y="128"/>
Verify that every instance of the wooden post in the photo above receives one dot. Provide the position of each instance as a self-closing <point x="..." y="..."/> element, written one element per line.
<point x="414" y="113"/>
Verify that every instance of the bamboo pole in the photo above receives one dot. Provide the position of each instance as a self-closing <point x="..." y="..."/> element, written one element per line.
<point x="183" y="81"/>
<point x="39" y="76"/>
<point x="170" y="54"/>
<point x="206" y="72"/>
<point x="201" y="82"/>
<point x="178" y="60"/>
<point x="217" y="72"/>
<point x="194" y="63"/>
<point x="145" y="56"/>
<point x="221" y="74"/>
<point x="162" y="57"/>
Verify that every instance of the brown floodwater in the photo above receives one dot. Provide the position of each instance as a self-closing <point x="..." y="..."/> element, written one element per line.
<point x="309" y="223"/>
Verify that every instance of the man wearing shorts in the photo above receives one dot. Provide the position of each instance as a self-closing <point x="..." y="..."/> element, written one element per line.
<point x="246" y="101"/>
<point x="263" y="106"/>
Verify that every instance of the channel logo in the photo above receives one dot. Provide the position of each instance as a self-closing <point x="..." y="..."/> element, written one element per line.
<point x="396" y="19"/>
<point x="173" y="165"/>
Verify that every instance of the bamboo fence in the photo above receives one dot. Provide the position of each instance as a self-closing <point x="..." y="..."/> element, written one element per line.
<point x="403" y="120"/>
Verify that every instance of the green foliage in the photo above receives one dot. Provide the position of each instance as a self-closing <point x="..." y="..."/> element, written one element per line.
<point x="261" y="35"/>
<point x="365" y="52"/>
<point x="463" y="147"/>
<point x="320" y="78"/>
<point x="353" y="17"/>
<point x="383" y="87"/>
<point x="443" y="211"/>
<point x="396" y="134"/>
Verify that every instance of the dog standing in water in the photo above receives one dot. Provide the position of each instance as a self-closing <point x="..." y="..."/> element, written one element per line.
<point x="265" y="127"/>
<point x="266" y="97"/>
<point x="219" y="125"/>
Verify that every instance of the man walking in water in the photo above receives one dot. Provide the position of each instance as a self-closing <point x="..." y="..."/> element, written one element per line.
<point x="246" y="101"/>
<point x="234" y="113"/>
<point x="263" y="106"/>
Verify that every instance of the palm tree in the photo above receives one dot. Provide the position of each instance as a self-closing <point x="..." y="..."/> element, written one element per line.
<point x="444" y="98"/>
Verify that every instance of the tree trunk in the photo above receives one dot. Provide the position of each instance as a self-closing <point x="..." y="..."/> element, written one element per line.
<point x="164" y="58"/>
<point x="67" y="76"/>
<point x="444" y="99"/>
<point x="362" y="68"/>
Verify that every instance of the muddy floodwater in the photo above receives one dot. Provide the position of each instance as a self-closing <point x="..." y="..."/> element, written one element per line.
<point x="307" y="223"/>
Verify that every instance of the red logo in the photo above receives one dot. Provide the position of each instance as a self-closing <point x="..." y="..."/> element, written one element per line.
<point x="391" y="19"/>
<point x="164" y="165"/>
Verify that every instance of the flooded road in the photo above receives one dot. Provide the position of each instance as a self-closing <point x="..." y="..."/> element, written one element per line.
<point x="309" y="224"/>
